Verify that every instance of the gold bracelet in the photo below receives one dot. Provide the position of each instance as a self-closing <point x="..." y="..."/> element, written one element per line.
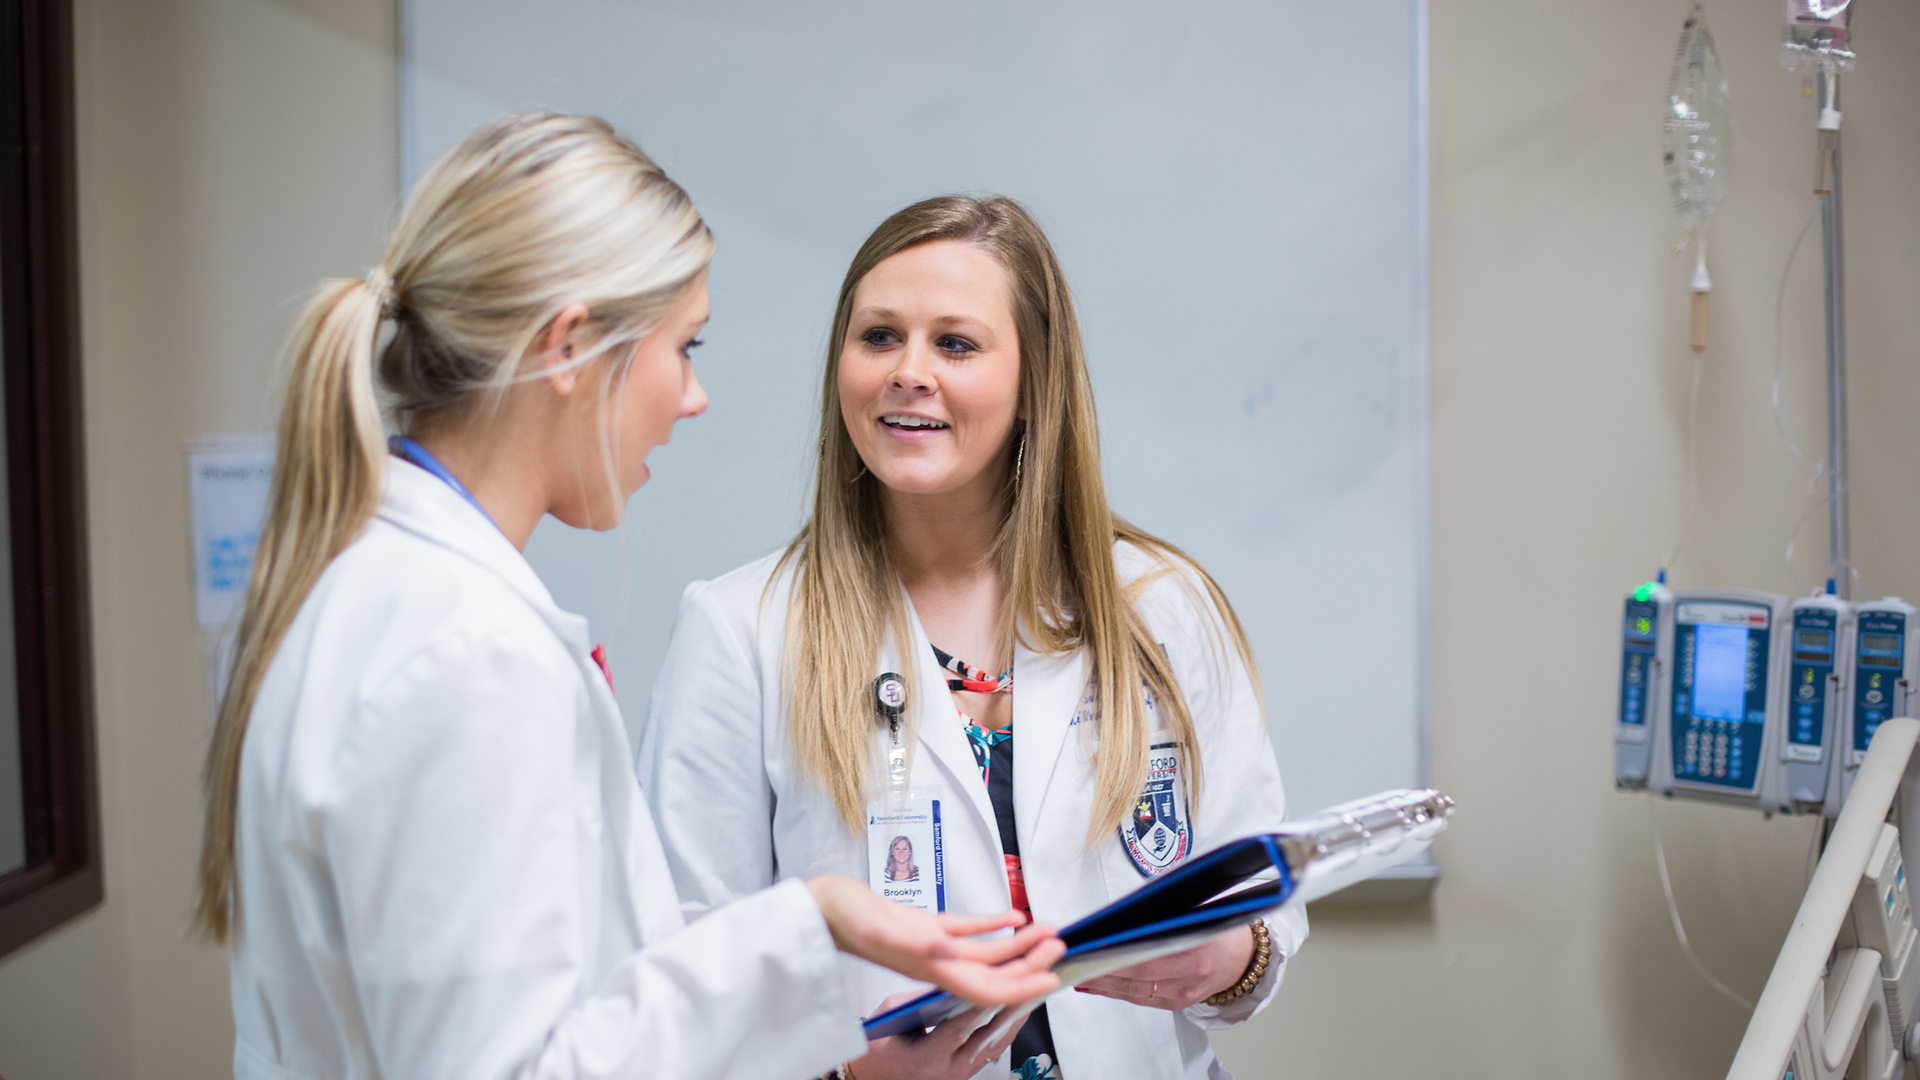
<point x="1256" y="968"/>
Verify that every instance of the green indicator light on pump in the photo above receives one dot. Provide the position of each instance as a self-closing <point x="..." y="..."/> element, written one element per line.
<point x="1645" y="592"/>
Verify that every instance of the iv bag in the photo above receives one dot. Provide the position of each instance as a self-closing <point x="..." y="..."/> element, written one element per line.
<point x="1816" y="35"/>
<point x="1697" y="135"/>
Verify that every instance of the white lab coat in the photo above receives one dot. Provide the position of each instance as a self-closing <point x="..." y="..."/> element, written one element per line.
<point x="736" y="816"/>
<point x="446" y="868"/>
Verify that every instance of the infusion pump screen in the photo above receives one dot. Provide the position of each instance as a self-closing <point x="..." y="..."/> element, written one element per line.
<point x="1813" y="639"/>
<point x="1719" y="693"/>
<point x="1881" y="643"/>
<point x="1720" y="673"/>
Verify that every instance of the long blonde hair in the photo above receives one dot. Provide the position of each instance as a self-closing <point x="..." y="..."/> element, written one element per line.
<point x="529" y="215"/>
<point x="1054" y="547"/>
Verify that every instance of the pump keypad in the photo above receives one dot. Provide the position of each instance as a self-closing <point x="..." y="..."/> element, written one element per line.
<point x="1720" y="694"/>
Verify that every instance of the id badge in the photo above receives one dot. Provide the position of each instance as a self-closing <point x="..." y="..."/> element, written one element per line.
<point x="905" y="860"/>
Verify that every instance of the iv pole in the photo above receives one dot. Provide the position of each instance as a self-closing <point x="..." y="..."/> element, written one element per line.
<point x="1826" y="184"/>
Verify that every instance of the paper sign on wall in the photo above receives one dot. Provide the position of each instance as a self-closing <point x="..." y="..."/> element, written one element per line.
<point x="228" y="478"/>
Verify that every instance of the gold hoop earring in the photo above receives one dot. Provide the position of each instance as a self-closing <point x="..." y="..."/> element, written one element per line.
<point x="1019" y="460"/>
<point x="823" y="456"/>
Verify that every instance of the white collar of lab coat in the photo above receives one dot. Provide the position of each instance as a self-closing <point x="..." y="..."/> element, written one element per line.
<point x="427" y="506"/>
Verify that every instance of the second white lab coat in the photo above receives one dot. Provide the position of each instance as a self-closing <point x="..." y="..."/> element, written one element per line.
<point x="735" y="814"/>
<point x="445" y="866"/>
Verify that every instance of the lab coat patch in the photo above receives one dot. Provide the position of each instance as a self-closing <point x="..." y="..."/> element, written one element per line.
<point x="1156" y="835"/>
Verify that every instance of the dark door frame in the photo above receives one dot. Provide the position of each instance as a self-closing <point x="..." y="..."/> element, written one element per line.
<point x="45" y="473"/>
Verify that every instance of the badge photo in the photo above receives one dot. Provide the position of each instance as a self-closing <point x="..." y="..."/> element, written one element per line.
<point x="1156" y="834"/>
<point x="905" y="860"/>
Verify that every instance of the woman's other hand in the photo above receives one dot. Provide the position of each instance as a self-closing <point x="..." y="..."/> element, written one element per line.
<point x="1180" y="980"/>
<point x="941" y="949"/>
<point x="954" y="1050"/>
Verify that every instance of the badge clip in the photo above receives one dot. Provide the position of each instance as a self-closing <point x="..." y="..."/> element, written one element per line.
<point x="890" y="697"/>
<point x="889" y="701"/>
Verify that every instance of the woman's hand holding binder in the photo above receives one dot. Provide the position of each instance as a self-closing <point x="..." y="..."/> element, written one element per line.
<point x="957" y="1048"/>
<point x="1179" y="980"/>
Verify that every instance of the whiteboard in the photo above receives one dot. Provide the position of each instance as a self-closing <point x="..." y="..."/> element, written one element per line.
<point x="1237" y="191"/>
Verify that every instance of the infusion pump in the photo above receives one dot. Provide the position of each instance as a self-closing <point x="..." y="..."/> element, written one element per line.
<point x="1646" y="638"/>
<point x="1727" y="676"/>
<point x="1749" y="698"/>
<point x="1822" y="639"/>
<point x="1882" y="666"/>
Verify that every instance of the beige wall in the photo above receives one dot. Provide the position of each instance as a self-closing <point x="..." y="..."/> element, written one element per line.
<point x="234" y="150"/>
<point x="1560" y="387"/>
<point x="231" y="152"/>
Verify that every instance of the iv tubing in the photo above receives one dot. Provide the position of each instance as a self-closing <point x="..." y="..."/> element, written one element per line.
<point x="1679" y="931"/>
<point x="1693" y="472"/>
<point x="1779" y="350"/>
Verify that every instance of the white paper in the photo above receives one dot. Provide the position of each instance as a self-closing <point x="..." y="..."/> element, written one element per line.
<point x="228" y="477"/>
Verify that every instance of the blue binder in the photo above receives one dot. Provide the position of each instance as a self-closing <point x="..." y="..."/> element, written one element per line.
<point x="1228" y="886"/>
<point x="1175" y="911"/>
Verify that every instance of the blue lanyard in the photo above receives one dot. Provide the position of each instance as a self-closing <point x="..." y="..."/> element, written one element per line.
<point x="408" y="450"/>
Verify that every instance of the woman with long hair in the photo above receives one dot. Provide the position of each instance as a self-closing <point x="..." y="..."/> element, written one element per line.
<point x="900" y="864"/>
<point x="424" y="843"/>
<point x="962" y="591"/>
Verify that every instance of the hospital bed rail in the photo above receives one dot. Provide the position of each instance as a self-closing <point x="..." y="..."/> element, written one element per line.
<point x="1822" y="1007"/>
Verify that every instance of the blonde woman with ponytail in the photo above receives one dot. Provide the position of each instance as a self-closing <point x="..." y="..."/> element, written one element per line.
<point x="425" y="847"/>
<point x="961" y="554"/>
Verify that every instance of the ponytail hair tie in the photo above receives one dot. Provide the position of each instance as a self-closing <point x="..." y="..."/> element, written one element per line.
<point x="381" y="286"/>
